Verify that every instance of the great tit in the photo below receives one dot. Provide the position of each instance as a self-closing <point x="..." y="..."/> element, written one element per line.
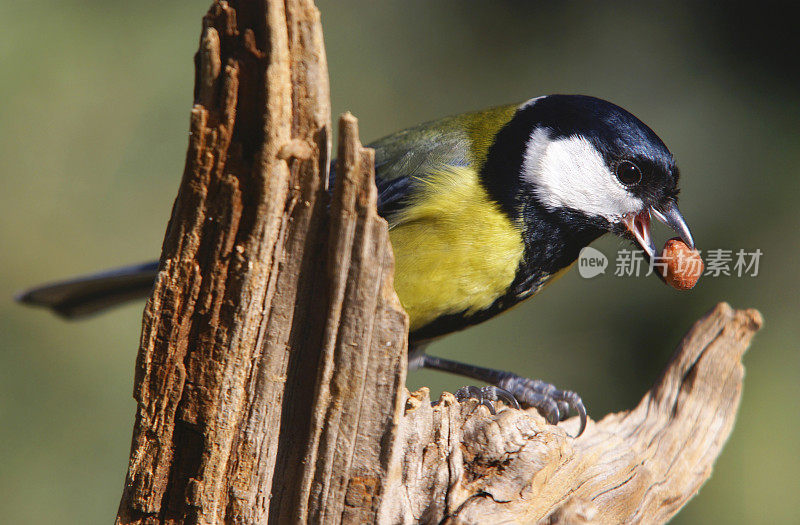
<point x="484" y="210"/>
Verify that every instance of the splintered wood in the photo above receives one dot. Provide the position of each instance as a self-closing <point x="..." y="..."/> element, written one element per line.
<point x="459" y="464"/>
<point x="269" y="383"/>
<point x="362" y="377"/>
<point x="269" y="380"/>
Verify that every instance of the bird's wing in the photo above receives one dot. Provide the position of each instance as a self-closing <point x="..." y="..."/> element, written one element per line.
<point x="406" y="159"/>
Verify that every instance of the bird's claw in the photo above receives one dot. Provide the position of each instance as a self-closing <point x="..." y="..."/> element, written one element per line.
<point x="552" y="403"/>
<point x="487" y="395"/>
<point x="513" y="390"/>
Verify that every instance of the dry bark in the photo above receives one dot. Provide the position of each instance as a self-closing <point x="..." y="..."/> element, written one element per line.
<point x="361" y="387"/>
<point x="269" y="380"/>
<point x="459" y="464"/>
<point x="247" y="372"/>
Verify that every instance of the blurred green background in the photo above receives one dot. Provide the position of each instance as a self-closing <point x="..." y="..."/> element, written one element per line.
<point x="94" y="106"/>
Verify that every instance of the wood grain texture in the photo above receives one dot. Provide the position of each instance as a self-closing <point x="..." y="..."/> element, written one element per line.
<point x="363" y="370"/>
<point x="269" y="379"/>
<point x="459" y="464"/>
<point x="248" y="307"/>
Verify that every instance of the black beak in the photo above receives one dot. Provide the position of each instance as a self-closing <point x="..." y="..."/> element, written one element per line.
<point x="671" y="216"/>
<point x="639" y="226"/>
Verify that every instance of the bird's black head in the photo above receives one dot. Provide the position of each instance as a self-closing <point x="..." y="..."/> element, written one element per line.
<point x="590" y="162"/>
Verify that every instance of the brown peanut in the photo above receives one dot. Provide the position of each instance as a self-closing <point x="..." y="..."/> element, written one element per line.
<point x="683" y="265"/>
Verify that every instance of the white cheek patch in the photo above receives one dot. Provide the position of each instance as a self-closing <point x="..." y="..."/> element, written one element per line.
<point x="570" y="172"/>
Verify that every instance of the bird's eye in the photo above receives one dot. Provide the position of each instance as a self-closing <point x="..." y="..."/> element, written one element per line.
<point x="629" y="173"/>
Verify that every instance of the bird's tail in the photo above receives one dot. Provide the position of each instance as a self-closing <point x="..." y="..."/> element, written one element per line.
<point x="90" y="294"/>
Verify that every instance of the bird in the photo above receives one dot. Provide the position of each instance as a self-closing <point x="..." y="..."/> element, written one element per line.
<point x="485" y="209"/>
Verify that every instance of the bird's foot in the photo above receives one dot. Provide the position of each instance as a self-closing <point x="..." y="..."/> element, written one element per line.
<point x="486" y="396"/>
<point x="552" y="403"/>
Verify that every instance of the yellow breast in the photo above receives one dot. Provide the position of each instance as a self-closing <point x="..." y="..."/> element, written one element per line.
<point x="454" y="249"/>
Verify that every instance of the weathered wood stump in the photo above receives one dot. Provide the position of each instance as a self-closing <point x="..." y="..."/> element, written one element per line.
<point x="459" y="464"/>
<point x="269" y="380"/>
